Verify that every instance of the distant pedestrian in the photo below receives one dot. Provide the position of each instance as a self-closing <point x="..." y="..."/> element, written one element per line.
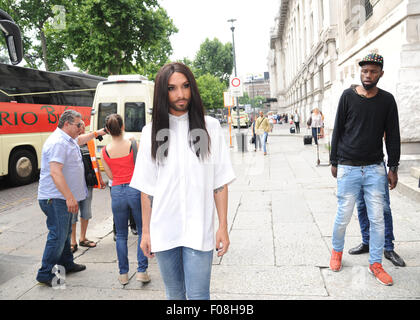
<point x="61" y="186"/>
<point x="119" y="166"/>
<point x="296" y="119"/>
<point x="316" y="124"/>
<point x="256" y="138"/>
<point x="183" y="171"/>
<point x="363" y="115"/>
<point x="262" y="128"/>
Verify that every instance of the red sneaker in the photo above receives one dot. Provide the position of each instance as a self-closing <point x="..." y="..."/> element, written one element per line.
<point x="380" y="274"/>
<point x="335" y="262"/>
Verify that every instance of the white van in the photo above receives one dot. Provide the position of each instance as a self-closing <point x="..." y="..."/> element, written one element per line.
<point x="131" y="96"/>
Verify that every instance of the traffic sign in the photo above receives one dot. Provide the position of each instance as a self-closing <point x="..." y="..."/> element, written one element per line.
<point x="228" y="99"/>
<point x="236" y="82"/>
<point x="236" y="87"/>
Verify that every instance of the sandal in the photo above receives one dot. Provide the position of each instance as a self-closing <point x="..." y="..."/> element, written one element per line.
<point x="87" y="243"/>
<point x="73" y="248"/>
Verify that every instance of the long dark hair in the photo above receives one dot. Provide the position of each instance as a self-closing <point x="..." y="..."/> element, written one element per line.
<point x="160" y="117"/>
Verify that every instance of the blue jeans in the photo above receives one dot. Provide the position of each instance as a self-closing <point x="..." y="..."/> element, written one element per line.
<point x="364" y="221"/>
<point x="350" y="181"/>
<point x="124" y="198"/>
<point x="264" y="141"/>
<point x="57" y="249"/>
<point x="186" y="273"/>
<point x="315" y="134"/>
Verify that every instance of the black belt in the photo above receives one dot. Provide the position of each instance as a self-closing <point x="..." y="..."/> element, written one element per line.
<point x="358" y="163"/>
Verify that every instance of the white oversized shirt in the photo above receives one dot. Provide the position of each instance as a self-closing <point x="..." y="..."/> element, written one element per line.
<point x="183" y="186"/>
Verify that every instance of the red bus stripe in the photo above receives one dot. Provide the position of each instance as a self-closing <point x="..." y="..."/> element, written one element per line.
<point x="33" y="118"/>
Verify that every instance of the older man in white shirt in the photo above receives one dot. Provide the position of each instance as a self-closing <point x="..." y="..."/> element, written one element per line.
<point x="61" y="186"/>
<point x="183" y="169"/>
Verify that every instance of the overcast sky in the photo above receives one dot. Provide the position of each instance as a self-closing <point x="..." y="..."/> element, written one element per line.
<point x="201" y="19"/>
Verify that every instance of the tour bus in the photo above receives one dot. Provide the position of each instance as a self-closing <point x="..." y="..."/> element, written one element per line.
<point x="31" y="102"/>
<point x="131" y="96"/>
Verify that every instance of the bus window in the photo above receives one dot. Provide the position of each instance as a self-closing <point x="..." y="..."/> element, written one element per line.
<point x="44" y="99"/>
<point x="104" y="110"/>
<point x="135" y="116"/>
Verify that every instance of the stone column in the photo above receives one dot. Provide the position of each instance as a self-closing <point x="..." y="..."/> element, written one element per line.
<point x="408" y="86"/>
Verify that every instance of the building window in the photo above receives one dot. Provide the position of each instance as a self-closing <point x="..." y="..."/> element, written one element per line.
<point x="368" y="9"/>
<point x="357" y="12"/>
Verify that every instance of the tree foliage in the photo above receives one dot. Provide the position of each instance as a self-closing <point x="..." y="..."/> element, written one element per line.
<point x="214" y="58"/>
<point x="257" y="101"/>
<point x="211" y="91"/>
<point x="113" y="37"/>
<point x="101" y="37"/>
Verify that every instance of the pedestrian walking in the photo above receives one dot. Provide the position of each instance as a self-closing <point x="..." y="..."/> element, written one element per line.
<point x="183" y="171"/>
<point x="363" y="115"/>
<point x="61" y="186"/>
<point x="255" y="137"/>
<point x="316" y="124"/>
<point x="296" y="119"/>
<point x="262" y="128"/>
<point x="119" y="166"/>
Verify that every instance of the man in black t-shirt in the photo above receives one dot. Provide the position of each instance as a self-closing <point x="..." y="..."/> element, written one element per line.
<point x="364" y="114"/>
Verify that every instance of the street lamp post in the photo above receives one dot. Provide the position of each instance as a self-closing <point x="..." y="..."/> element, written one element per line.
<point x="235" y="70"/>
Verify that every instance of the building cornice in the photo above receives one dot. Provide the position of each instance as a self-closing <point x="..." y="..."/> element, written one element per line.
<point x="284" y="9"/>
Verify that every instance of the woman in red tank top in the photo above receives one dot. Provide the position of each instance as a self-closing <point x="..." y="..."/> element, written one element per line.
<point x="119" y="166"/>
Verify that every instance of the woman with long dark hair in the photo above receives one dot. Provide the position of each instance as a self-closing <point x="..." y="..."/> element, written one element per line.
<point x="118" y="164"/>
<point x="162" y="106"/>
<point x="183" y="171"/>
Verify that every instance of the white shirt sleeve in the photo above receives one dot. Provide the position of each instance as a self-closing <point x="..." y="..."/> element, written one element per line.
<point x="223" y="171"/>
<point x="145" y="172"/>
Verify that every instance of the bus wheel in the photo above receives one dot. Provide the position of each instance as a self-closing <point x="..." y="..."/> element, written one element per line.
<point x="22" y="167"/>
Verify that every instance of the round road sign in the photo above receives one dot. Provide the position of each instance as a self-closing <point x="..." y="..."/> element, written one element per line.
<point x="236" y="82"/>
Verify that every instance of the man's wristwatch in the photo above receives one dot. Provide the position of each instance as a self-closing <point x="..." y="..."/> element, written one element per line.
<point x="394" y="169"/>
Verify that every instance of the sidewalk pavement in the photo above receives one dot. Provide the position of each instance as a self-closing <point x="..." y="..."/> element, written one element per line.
<point x="281" y="214"/>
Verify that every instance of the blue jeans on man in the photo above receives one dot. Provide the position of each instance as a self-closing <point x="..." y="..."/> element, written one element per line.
<point x="350" y="181"/>
<point x="186" y="273"/>
<point x="264" y="141"/>
<point x="389" y="252"/>
<point x="57" y="249"/>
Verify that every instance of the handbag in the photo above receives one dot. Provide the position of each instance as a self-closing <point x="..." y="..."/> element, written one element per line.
<point x="252" y="140"/>
<point x="90" y="175"/>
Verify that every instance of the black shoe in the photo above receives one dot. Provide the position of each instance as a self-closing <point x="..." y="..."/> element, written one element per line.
<point x="394" y="258"/>
<point x="76" y="268"/>
<point x="361" y="248"/>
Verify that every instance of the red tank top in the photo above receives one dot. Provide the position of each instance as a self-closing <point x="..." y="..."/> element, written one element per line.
<point x="122" y="168"/>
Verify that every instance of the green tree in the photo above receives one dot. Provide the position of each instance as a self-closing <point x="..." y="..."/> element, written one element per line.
<point x="254" y="102"/>
<point x="114" y="37"/>
<point x="214" y="58"/>
<point x="211" y="91"/>
<point x="102" y="37"/>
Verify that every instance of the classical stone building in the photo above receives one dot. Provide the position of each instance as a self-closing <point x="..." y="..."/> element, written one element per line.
<point x="316" y="46"/>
